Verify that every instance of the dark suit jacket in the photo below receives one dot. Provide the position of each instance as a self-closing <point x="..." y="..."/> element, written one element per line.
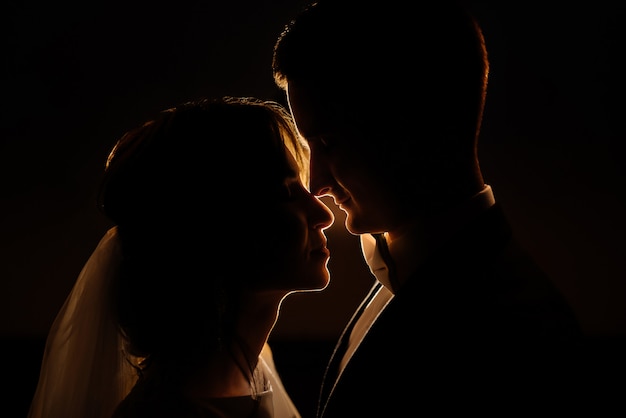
<point x="477" y="328"/>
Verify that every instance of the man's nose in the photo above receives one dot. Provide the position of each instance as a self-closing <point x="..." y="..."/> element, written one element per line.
<point x="320" y="183"/>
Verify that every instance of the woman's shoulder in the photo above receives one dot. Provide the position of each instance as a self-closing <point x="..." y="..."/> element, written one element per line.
<point x="149" y="400"/>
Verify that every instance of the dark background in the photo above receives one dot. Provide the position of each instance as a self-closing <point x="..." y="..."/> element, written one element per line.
<point x="75" y="76"/>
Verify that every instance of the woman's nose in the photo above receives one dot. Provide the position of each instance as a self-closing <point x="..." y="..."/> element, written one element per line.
<point x="324" y="216"/>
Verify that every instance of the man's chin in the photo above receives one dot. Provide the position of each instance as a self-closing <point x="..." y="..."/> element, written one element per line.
<point x="354" y="226"/>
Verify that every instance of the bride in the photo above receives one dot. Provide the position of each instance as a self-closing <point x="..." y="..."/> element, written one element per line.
<point x="212" y="227"/>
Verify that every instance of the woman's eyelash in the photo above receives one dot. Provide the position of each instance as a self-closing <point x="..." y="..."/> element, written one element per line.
<point x="288" y="191"/>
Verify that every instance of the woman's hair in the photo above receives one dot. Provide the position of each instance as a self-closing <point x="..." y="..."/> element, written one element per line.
<point x="184" y="189"/>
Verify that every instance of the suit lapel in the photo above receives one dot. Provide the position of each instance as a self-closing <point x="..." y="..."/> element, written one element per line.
<point x="332" y="373"/>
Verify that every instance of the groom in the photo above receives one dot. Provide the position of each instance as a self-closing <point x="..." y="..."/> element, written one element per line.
<point x="459" y="318"/>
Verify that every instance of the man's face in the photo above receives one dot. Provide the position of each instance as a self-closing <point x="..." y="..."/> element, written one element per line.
<point x="346" y="160"/>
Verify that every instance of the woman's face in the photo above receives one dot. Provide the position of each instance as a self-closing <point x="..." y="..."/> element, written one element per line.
<point x="292" y="254"/>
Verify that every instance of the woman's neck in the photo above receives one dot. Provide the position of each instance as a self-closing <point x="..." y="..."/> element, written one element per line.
<point x="230" y="372"/>
<point x="225" y="374"/>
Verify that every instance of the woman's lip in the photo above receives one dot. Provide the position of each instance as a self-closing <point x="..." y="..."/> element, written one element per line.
<point x="322" y="250"/>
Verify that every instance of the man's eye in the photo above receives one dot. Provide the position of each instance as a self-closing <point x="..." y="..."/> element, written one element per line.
<point x="321" y="144"/>
<point x="325" y="142"/>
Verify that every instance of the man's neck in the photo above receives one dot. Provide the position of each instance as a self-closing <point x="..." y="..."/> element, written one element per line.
<point x="407" y="250"/>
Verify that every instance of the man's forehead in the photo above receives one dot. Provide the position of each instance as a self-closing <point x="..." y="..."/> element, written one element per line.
<point x="316" y="115"/>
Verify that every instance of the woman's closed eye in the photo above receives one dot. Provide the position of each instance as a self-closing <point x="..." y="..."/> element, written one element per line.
<point x="287" y="190"/>
<point x="294" y="190"/>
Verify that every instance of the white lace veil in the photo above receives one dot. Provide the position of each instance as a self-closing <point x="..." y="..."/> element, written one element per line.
<point x="84" y="372"/>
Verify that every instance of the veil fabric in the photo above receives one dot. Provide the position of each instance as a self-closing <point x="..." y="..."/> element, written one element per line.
<point x="85" y="372"/>
<point x="282" y="403"/>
